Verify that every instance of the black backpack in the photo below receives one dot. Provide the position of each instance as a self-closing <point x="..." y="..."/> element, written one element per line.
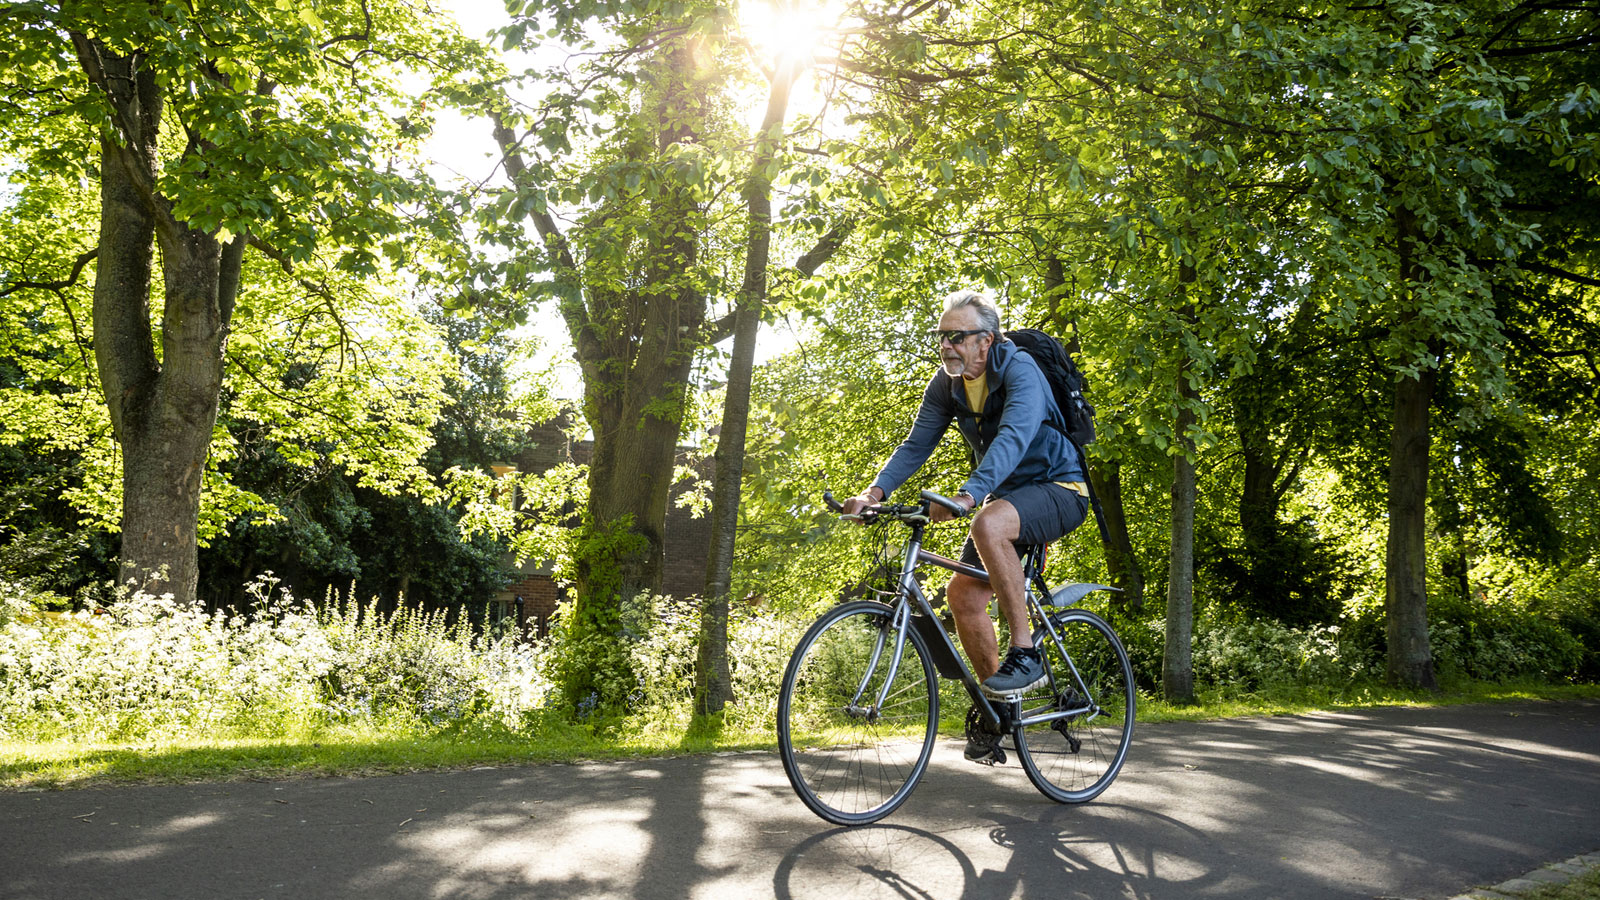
<point x="1068" y="385"/>
<point x="1066" y="382"/>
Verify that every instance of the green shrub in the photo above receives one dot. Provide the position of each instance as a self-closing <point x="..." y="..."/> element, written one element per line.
<point x="1573" y="602"/>
<point x="1145" y="640"/>
<point x="1363" y="641"/>
<point x="1500" y="642"/>
<point x="1254" y="655"/>
<point x="144" y="667"/>
<point x="759" y="644"/>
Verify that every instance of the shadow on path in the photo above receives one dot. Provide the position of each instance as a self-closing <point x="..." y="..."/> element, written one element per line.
<point x="1395" y="802"/>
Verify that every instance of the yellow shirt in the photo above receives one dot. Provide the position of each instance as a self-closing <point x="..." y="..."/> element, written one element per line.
<point x="978" y="394"/>
<point x="977" y="391"/>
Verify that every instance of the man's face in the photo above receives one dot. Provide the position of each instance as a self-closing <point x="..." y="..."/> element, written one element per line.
<point x="969" y="357"/>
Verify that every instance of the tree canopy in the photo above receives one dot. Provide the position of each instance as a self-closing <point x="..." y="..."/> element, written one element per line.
<point x="1331" y="272"/>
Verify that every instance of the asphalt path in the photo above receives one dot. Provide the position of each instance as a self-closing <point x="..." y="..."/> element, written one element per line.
<point x="1414" y="803"/>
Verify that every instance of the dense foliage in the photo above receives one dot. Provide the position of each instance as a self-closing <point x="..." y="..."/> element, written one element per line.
<point x="1332" y="274"/>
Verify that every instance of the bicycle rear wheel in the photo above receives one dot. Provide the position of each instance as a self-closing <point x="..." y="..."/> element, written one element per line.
<point x="850" y="759"/>
<point x="1073" y="758"/>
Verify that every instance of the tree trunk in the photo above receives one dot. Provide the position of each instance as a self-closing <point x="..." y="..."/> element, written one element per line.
<point x="166" y="442"/>
<point x="1177" y="659"/>
<point x="1410" y="658"/>
<point x="630" y="483"/>
<point x="713" y="679"/>
<point x="1258" y="498"/>
<point x="162" y="413"/>
<point x="1105" y="476"/>
<point x="1121" y="563"/>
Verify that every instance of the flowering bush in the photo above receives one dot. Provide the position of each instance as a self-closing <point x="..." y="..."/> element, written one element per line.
<point x="146" y="666"/>
<point x="759" y="644"/>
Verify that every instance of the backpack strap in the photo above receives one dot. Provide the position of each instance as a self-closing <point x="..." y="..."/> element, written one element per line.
<point x="1094" y="499"/>
<point x="1088" y="482"/>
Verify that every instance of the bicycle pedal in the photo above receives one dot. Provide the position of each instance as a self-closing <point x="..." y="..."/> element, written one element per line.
<point x="997" y="758"/>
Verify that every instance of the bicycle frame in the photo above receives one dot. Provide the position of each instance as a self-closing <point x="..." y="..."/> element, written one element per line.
<point x="910" y="603"/>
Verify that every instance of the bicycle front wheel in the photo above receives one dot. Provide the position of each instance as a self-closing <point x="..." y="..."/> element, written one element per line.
<point x="1072" y="757"/>
<point x="852" y="751"/>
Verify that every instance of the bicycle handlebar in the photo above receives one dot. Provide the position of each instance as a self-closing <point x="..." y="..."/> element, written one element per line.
<point x="902" y="511"/>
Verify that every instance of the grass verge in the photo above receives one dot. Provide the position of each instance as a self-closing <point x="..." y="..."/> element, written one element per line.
<point x="1290" y="701"/>
<point x="341" y="751"/>
<point x="1583" y="887"/>
<point x="350" y="751"/>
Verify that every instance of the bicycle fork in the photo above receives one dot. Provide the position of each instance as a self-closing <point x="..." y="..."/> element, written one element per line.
<point x="898" y="627"/>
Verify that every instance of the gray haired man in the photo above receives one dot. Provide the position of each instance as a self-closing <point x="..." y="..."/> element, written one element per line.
<point x="1026" y="473"/>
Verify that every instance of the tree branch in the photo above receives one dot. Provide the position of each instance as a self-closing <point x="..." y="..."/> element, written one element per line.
<point x="77" y="269"/>
<point x="1587" y="40"/>
<point x="824" y="249"/>
<point x="366" y="35"/>
<point x="1563" y="274"/>
<point x="517" y="168"/>
<point x="808" y="263"/>
<point x="571" y="303"/>
<point x="58" y="288"/>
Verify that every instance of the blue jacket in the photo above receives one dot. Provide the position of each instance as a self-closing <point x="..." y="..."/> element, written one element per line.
<point x="1012" y="441"/>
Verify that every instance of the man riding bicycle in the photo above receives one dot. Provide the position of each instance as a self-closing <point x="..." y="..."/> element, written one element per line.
<point x="1027" y="472"/>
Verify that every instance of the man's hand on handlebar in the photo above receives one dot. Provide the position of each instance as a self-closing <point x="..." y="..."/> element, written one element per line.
<point x="938" y="512"/>
<point x="864" y="500"/>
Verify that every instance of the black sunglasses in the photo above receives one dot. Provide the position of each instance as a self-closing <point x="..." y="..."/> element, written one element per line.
<point x="956" y="336"/>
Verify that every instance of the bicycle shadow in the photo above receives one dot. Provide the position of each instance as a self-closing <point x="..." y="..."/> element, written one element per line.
<point x="1056" y="854"/>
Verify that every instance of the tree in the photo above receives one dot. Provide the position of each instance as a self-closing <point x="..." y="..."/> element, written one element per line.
<point x="644" y="253"/>
<point x="215" y="130"/>
<point x="631" y="286"/>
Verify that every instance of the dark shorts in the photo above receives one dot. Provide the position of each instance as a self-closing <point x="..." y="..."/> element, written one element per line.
<point x="1047" y="512"/>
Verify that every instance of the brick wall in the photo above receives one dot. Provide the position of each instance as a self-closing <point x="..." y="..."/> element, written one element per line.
<point x="539" y="594"/>
<point x="550" y="447"/>
<point x="688" y="546"/>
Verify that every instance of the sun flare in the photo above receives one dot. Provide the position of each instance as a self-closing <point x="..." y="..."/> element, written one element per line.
<point x="785" y="30"/>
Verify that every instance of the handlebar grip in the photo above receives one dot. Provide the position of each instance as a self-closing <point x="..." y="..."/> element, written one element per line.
<point x="836" y="506"/>
<point x="957" y="509"/>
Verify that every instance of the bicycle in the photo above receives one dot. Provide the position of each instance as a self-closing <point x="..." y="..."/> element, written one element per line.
<point x="859" y="708"/>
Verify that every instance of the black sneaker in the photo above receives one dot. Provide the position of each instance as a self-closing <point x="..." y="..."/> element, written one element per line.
<point x="983" y="745"/>
<point x="1023" y="669"/>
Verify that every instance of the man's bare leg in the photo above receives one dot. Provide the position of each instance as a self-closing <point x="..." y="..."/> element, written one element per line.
<point x="994" y="533"/>
<point x="969" y="602"/>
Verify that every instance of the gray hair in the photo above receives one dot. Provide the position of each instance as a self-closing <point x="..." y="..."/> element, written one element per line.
<point x="988" y="313"/>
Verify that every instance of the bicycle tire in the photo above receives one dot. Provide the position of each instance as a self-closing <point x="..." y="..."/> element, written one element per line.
<point x="851" y="766"/>
<point x="1073" y="760"/>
